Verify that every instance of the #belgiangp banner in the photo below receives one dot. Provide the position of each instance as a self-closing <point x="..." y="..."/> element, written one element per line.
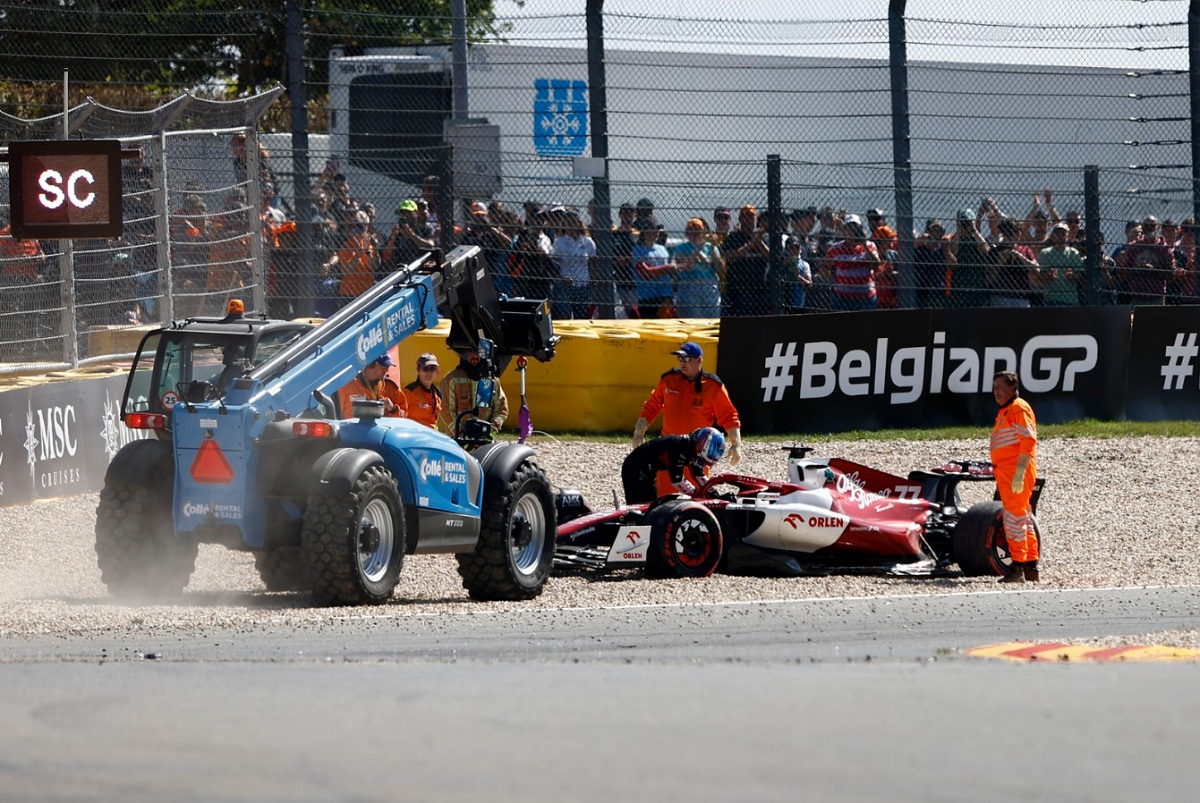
<point x="922" y="368"/>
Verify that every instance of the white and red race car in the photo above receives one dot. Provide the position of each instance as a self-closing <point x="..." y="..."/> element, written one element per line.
<point x="828" y="516"/>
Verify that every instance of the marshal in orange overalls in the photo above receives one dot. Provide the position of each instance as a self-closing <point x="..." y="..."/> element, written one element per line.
<point x="1015" y="434"/>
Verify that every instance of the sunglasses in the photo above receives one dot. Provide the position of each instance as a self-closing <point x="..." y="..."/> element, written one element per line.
<point x="429" y="367"/>
<point x="684" y="360"/>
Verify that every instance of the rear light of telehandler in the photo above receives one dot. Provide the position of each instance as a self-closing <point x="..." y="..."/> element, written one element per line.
<point x="313" y="429"/>
<point x="145" y="421"/>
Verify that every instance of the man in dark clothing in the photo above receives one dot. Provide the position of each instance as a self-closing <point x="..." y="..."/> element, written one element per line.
<point x="746" y="258"/>
<point x="670" y="453"/>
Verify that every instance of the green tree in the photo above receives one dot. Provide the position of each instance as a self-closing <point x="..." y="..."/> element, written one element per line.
<point x="223" y="46"/>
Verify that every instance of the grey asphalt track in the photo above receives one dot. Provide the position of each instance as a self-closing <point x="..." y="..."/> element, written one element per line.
<point x="842" y="700"/>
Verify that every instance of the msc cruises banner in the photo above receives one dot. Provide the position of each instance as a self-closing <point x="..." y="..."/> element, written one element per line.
<point x="922" y="368"/>
<point x="57" y="439"/>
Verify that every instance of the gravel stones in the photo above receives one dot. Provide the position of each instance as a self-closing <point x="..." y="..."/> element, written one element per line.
<point x="1116" y="512"/>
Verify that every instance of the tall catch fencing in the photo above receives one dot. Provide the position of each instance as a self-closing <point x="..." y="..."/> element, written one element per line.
<point x="393" y="131"/>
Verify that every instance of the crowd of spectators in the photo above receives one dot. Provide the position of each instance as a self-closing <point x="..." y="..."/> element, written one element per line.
<point x="833" y="259"/>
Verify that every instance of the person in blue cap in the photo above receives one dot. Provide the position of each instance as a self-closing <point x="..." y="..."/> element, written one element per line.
<point x="690" y="398"/>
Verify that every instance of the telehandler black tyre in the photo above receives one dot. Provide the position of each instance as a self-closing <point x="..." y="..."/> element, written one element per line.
<point x="136" y="547"/>
<point x="515" y="553"/>
<point x="353" y="544"/>
<point x="282" y="569"/>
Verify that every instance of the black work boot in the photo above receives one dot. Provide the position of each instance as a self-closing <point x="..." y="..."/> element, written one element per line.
<point x="1031" y="571"/>
<point x="1016" y="573"/>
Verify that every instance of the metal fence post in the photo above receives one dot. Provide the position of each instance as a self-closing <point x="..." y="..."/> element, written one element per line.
<point x="1091" y="211"/>
<point x="305" y="260"/>
<point x="901" y="152"/>
<point x="604" y="287"/>
<point x="775" y="233"/>
<point x="1193" y="18"/>
<point x="254" y="197"/>
<point x="162" y="224"/>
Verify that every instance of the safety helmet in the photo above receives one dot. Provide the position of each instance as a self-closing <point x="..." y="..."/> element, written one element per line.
<point x="709" y="444"/>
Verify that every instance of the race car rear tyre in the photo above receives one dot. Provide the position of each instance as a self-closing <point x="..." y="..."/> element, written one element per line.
<point x="353" y="544"/>
<point x="515" y="552"/>
<point x="980" y="548"/>
<point x="136" y="547"/>
<point x="282" y="569"/>
<point x="685" y="541"/>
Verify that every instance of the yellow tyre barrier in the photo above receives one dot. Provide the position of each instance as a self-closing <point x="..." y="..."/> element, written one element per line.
<point x="599" y="377"/>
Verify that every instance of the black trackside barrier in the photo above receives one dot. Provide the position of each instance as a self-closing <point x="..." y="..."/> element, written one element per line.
<point x="1164" y="364"/>
<point x="927" y="368"/>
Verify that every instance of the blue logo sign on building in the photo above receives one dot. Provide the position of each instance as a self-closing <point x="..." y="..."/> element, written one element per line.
<point x="559" y="117"/>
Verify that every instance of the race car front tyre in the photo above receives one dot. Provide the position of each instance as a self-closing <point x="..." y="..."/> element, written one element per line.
<point x="980" y="548"/>
<point x="685" y="541"/>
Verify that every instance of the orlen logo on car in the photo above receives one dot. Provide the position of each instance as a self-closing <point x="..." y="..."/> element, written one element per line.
<point x="368" y="340"/>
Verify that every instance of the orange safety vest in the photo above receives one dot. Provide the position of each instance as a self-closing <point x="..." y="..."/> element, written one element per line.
<point x="688" y="405"/>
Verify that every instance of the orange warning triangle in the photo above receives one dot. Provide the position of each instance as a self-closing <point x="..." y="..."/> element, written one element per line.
<point x="210" y="464"/>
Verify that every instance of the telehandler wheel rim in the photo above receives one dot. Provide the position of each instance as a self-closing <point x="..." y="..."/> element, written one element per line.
<point x="376" y="539"/>
<point x="527" y="533"/>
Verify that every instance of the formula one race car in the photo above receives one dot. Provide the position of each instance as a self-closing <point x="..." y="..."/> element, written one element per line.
<point x="829" y="516"/>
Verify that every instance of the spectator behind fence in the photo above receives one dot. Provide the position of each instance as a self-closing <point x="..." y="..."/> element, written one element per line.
<point x="624" y="238"/>
<point x="21" y="263"/>
<point x="644" y="210"/>
<point x="967" y="255"/>
<point x="483" y="230"/>
<point x="1074" y="221"/>
<point x="1061" y="268"/>
<point x="1170" y="238"/>
<point x="406" y="242"/>
<point x="852" y="265"/>
<point x="356" y="260"/>
<point x="574" y="252"/>
<point x="1036" y="231"/>
<point x="930" y="265"/>
<point x="529" y="263"/>
<point x="1185" y="274"/>
<point x="1015" y="270"/>
<point x="268" y="183"/>
<point x="804" y="223"/>
<point x="1106" y="278"/>
<point x="229" y="255"/>
<point x="428" y="204"/>
<point x="700" y="270"/>
<point x="722" y="219"/>
<point x="1133" y="234"/>
<point x="746" y="253"/>
<point x="797" y="277"/>
<point x="886" y="241"/>
<point x="1144" y="266"/>
<point x="652" y="273"/>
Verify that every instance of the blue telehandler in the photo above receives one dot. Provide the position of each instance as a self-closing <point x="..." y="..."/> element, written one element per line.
<point x="245" y="447"/>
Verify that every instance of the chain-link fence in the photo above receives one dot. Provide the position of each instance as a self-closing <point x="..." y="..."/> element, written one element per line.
<point x="957" y="138"/>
